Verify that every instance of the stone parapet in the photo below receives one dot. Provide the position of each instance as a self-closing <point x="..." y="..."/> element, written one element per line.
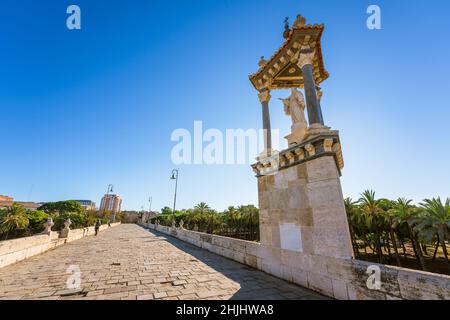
<point x="13" y="251"/>
<point x="342" y="279"/>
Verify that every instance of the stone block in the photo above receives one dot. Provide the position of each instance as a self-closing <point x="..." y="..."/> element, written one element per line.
<point x="287" y="273"/>
<point x="320" y="283"/>
<point x="251" y="261"/>
<point x="417" y="285"/>
<point x="300" y="277"/>
<point x="339" y="289"/>
<point x="363" y="293"/>
<point x="323" y="168"/>
<point x="326" y="193"/>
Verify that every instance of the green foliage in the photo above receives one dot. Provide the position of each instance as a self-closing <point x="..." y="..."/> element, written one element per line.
<point x="166" y="211"/>
<point x="78" y="221"/>
<point x="61" y="208"/>
<point x="13" y="218"/>
<point x="434" y="220"/>
<point x="241" y="222"/>
<point x="37" y="219"/>
<point x="378" y="223"/>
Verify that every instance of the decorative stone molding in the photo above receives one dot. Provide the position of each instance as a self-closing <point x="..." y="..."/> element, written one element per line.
<point x="300" y="153"/>
<point x="262" y="62"/>
<point x="264" y="96"/>
<point x="324" y="144"/>
<point x="306" y="58"/>
<point x="328" y="144"/>
<point x="310" y="149"/>
<point x="339" y="157"/>
<point x="299" y="23"/>
<point x="319" y="93"/>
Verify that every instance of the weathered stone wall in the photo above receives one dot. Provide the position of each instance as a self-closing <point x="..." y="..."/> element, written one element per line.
<point x="302" y="209"/>
<point x="12" y="251"/>
<point x="344" y="279"/>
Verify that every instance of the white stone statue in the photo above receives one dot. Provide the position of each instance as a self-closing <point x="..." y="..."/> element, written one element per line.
<point x="294" y="106"/>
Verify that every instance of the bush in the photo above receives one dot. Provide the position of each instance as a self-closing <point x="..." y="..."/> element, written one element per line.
<point x="78" y="221"/>
<point x="37" y="219"/>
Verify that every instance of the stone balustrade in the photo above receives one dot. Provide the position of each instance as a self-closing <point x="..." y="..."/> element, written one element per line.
<point x="343" y="279"/>
<point x="12" y="251"/>
<point x="324" y="144"/>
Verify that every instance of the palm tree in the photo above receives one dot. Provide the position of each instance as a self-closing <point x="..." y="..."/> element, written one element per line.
<point x="372" y="209"/>
<point x="13" y="218"/>
<point x="350" y="208"/>
<point x="404" y="213"/>
<point x="435" y="221"/>
<point x="202" y="207"/>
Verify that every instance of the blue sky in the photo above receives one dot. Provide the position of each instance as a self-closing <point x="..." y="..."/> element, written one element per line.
<point x="82" y="109"/>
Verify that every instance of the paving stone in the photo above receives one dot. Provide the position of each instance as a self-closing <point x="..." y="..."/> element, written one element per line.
<point x="152" y="266"/>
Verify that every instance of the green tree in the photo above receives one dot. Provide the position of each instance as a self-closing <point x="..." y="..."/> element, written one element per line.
<point x="13" y="218"/>
<point x="374" y="213"/>
<point x="166" y="211"/>
<point x="202" y="208"/>
<point x="435" y="221"/>
<point x="351" y="208"/>
<point x="61" y="208"/>
<point x="37" y="218"/>
<point x="404" y="214"/>
<point x="78" y="220"/>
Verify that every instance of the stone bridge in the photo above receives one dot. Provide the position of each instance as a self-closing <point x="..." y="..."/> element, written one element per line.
<point x="130" y="262"/>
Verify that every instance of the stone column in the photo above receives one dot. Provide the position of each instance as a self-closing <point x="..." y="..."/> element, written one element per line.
<point x="264" y="97"/>
<point x="306" y="62"/>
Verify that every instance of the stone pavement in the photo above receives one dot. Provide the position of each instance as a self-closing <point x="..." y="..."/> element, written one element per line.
<point x="129" y="262"/>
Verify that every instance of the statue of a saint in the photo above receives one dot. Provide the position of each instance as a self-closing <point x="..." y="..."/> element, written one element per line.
<point x="294" y="106"/>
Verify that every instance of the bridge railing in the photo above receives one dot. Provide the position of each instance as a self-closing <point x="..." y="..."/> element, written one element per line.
<point x="343" y="279"/>
<point x="13" y="251"/>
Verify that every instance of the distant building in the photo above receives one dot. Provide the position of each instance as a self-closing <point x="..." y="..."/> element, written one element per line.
<point x="111" y="203"/>
<point x="137" y="216"/>
<point x="87" y="205"/>
<point x="6" y="198"/>
<point x="30" y="205"/>
<point x="6" y="201"/>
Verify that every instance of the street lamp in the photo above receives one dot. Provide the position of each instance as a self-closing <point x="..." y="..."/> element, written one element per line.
<point x="150" y="206"/>
<point x="108" y="201"/>
<point x="110" y="189"/>
<point x="174" y="177"/>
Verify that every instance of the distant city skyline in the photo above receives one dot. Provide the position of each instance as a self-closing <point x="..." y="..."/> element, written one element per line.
<point x="85" y="108"/>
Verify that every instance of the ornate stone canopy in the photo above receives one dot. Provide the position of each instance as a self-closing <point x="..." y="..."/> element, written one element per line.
<point x="282" y="70"/>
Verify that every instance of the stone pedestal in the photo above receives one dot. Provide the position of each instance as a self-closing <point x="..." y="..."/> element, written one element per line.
<point x="301" y="202"/>
<point x="66" y="230"/>
<point x="296" y="136"/>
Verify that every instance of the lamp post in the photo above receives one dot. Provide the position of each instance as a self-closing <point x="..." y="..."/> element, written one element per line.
<point x="108" y="202"/>
<point x="150" y="206"/>
<point x="174" y="177"/>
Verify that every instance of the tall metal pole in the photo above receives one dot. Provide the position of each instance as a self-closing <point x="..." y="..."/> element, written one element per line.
<point x="150" y="205"/>
<point x="108" y="201"/>
<point x="174" y="176"/>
